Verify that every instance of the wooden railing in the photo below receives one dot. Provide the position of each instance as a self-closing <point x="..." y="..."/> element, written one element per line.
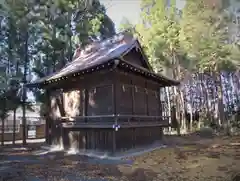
<point x="111" y="120"/>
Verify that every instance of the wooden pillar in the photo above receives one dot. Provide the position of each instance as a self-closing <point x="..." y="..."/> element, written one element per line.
<point x="133" y="132"/>
<point x="82" y="102"/>
<point x="114" y="104"/>
<point x="85" y="109"/>
<point x="133" y="98"/>
<point x="114" y="93"/>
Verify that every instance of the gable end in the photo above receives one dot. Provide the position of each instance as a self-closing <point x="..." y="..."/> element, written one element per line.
<point x="136" y="56"/>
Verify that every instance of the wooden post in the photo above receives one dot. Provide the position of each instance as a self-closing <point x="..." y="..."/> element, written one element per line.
<point x="114" y="141"/>
<point x="61" y="141"/>
<point x="86" y="97"/>
<point x="93" y="140"/>
<point x="14" y="125"/>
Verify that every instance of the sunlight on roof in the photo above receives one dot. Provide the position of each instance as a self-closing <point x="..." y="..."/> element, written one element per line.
<point x="97" y="53"/>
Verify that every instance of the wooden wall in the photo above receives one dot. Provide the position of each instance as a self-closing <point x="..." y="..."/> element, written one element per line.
<point x="89" y="96"/>
<point x="110" y="140"/>
<point x="93" y="95"/>
<point x="137" y="95"/>
<point x="92" y="139"/>
<point x="137" y="137"/>
<point x="100" y="100"/>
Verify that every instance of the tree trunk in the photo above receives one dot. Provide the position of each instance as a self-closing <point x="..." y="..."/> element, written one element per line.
<point x="168" y="107"/>
<point x="237" y="87"/>
<point x="202" y="98"/>
<point x="176" y="112"/>
<point x="3" y="117"/>
<point x="220" y="105"/>
<point x="2" y="131"/>
<point x="182" y="109"/>
<point x="69" y="38"/>
<point x="47" y="118"/>
<point x="191" y="117"/>
<point x="24" y="97"/>
<point x="54" y="57"/>
<point x="14" y="125"/>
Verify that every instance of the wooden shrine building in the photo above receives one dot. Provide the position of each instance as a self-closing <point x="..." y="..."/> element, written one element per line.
<point x="107" y="98"/>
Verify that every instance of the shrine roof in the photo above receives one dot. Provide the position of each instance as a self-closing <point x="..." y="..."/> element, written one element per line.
<point x="100" y="54"/>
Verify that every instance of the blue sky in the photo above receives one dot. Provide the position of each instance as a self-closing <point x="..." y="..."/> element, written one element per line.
<point x="117" y="9"/>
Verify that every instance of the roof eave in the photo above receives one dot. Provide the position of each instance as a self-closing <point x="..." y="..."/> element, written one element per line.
<point x="112" y="63"/>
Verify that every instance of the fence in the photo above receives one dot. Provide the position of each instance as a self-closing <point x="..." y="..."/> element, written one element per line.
<point x="10" y="128"/>
<point x="35" y="130"/>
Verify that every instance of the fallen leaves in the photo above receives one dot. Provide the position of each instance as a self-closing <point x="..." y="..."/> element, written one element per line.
<point x="191" y="160"/>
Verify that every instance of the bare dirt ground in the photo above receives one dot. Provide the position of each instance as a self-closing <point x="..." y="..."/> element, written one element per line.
<point x="188" y="158"/>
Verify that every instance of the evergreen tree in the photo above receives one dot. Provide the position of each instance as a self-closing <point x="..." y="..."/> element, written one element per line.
<point x="39" y="37"/>
<point x="205" y="37"/>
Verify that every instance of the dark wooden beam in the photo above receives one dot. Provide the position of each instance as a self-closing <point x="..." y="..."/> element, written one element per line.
<point x="159" y="103"/>
<point x="146" y="97"/>
<point x="133" y="97"/>
<point x="123" y="125"/>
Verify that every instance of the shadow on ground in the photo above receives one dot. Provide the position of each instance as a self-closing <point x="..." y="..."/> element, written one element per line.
<point x="22" y="164"/>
